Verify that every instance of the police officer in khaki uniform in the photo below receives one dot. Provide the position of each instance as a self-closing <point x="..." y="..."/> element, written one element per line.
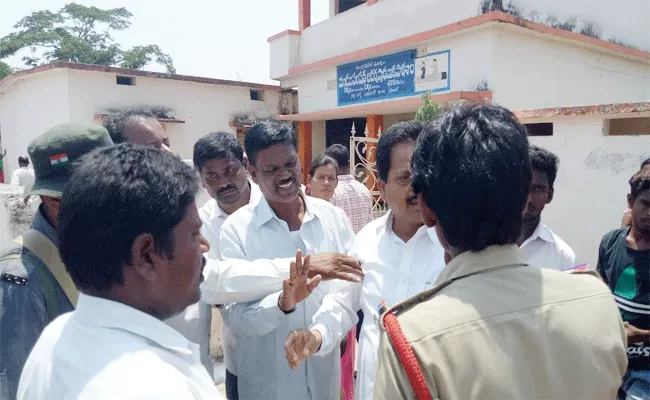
<point x="494" y="327"/>
<point x="35" y="288"/>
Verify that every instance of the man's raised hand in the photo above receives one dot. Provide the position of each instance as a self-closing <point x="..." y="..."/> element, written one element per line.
<point x="298" y="287"/>
<point x="336" y="266"/>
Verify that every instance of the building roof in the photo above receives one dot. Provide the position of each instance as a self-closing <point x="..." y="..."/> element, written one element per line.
<point x="132" y="72"/>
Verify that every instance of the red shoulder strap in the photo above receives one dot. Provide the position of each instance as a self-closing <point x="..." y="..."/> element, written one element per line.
<point x="407" y="357"/>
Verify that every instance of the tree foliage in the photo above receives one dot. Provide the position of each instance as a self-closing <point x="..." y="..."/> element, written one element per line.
<point x="5" y="69"/>
<point x="79" y="34"/>
<point x="429" y="110"/>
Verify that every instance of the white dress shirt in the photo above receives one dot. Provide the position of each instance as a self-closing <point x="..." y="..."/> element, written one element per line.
<point x="261" y="328"/>
<point x="545" y="249"/>
<point x="394" y="271"/>
<point x="108" y="350"/>
<point x="23" y="176"/>
<point x="195" y="323"/>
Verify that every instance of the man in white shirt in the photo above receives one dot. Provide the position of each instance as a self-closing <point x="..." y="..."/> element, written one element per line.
<point x="219" y="158"/>
<point x="135" y="265"/>
<point x="543" y="247"/>
<point x="281" y="222"/>
<point x="400" y="258"/>
<point x="23" y="176"/>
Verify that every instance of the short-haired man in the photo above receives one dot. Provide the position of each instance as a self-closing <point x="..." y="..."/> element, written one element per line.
<point x="493" y="327"/>
<point x="283" y="220"/>
<point x="626" y="220"/>
<point x="138" y="126"/>
<point x="352" y="196"/>
<point x="23" y="175"/>
<point x="34" y="285"/>
<point x="400" y="258"/>
<point x="540" y="244"/>
<point x="624" y="264"/>
<point x="144" y="265"/>
<point x="219" y="158"/>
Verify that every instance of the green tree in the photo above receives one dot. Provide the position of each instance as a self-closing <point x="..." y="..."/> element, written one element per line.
<point x="429" y="109"/>
<point x="5" y="69"/>
<point x="78" y="34"/>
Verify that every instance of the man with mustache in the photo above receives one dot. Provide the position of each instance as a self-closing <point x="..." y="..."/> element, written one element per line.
<point x="624" y="264"/>
<point x="399" y="255"/>
<point x="283" y="220"/>
<point x="540" y="244"/>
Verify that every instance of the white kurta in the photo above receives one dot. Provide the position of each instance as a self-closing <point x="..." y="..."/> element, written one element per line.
<point x="107" y="350"/>
<point x="260" y="327"/>
<point x="394" y="271"/>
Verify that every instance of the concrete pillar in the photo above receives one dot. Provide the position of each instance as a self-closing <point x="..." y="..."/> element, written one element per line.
<point x="374" y="123"/>
<point x="304" y="14"/>
<point x="318" y="138"/>
<point x="304" y="147"/>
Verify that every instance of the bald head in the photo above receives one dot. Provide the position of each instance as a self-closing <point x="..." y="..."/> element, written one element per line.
<point x="145" y="131"/>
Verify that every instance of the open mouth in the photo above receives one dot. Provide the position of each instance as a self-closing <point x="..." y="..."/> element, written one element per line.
<point x="412" y="201"/>
<point x="227" y="191"/>
<point x="286" y="184"/>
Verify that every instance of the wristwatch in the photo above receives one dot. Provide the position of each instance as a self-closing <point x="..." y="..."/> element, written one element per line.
<point x="286" y="312"/>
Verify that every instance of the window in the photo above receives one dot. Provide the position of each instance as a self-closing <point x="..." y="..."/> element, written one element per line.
<point x="257" y="95"/>
<point x="345" y="5"/>
<point x="628" y="126"/>
<point x="125" y="80"/>
<point x="543" y="129"/>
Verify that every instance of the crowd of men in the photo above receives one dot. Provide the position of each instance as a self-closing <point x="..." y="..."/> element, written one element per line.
<point x="458" y="292"/>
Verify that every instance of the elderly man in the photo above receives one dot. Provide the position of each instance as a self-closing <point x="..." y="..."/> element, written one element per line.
<point x="34" y="285"/>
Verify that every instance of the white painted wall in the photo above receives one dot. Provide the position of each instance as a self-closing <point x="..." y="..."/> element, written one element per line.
<point x="591" y="185"/>
<point x="203" y="107"/>
<point x="29" y="108"/>
<point x="530" y="72"/>
<point x="388" y="20"/>
<point x="471" y="62"/>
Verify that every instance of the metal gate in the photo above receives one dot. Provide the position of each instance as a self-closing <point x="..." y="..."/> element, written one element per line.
<point x="363" y="168"/>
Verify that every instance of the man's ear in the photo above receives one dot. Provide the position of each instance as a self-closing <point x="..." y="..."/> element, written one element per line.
<point x="630" y="201"/>
<point x="551" y="192"/>
<point x="253" y="172"/>
<point x="381" y="185"/>
<point x="145" y="257"/>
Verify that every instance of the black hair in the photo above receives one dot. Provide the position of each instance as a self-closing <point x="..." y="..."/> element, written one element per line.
<point x="340" y="153"/>
<point x="115" y="121"/>
<point x="114" y="195"/>
<point x="545" y="161"/>
<point x="473" y="170"/>
<point x="645" y="163"/>
<point x="266" y="134"/>
<point x="321" y="160"/>
<point x="639" y="183"/>
<point x="216" y="145"/>
<point x="23" y="161"/>
<point x="398" y="133"/>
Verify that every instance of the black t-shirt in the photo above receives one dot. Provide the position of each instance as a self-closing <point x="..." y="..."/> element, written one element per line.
<point x="627" y="273"/>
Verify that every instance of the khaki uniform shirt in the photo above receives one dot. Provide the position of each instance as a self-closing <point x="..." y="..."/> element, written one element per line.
<point x="510" y="331"/>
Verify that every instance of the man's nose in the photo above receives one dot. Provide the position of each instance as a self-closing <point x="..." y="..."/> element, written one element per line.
<point x="205" y="246"/>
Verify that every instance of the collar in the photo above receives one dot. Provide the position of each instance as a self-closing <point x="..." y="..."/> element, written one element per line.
<point x="541" y="232"/>
<point x="263" y="212"/>
<point x="490" y="257"/>
<point x="387" y="226"/>
<point x="41" y="224"/>
<point x="111" y="314"/>
<point x="345" y="178"/>
<point x="215" y="211"/>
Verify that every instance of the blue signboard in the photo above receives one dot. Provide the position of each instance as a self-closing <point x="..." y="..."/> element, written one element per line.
<point x="397" y="75"/>
<point x="376" y="79"/>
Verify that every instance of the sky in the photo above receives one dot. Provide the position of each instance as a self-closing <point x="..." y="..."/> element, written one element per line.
<point x="221" y="39"/>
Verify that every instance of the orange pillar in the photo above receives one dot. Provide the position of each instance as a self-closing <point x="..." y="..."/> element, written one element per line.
<point x="374" y="123"/>
<point x="304" y="148"/>
<point x="304" y="14"/>
<point x="371" y="2"/>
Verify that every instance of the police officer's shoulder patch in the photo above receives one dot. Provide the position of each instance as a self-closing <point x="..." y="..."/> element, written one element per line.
<point x="17" y="280"/>
<point x="12" y="269"/>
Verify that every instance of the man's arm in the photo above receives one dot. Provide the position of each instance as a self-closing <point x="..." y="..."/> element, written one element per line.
<point x="23" y="317"/>
<point x="15" y="181"/>
<point x="235" y="280"/>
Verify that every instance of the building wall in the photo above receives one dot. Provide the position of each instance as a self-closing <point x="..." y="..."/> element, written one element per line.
<point x="530" y="72"/>
<point x="27" y="109"/>
<point x="592" y="181"/>
<point x="203" y="107"/>
<point x="471" y="62"/>
<point x="318" y="138"/>
<point x="389" y="20"/>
